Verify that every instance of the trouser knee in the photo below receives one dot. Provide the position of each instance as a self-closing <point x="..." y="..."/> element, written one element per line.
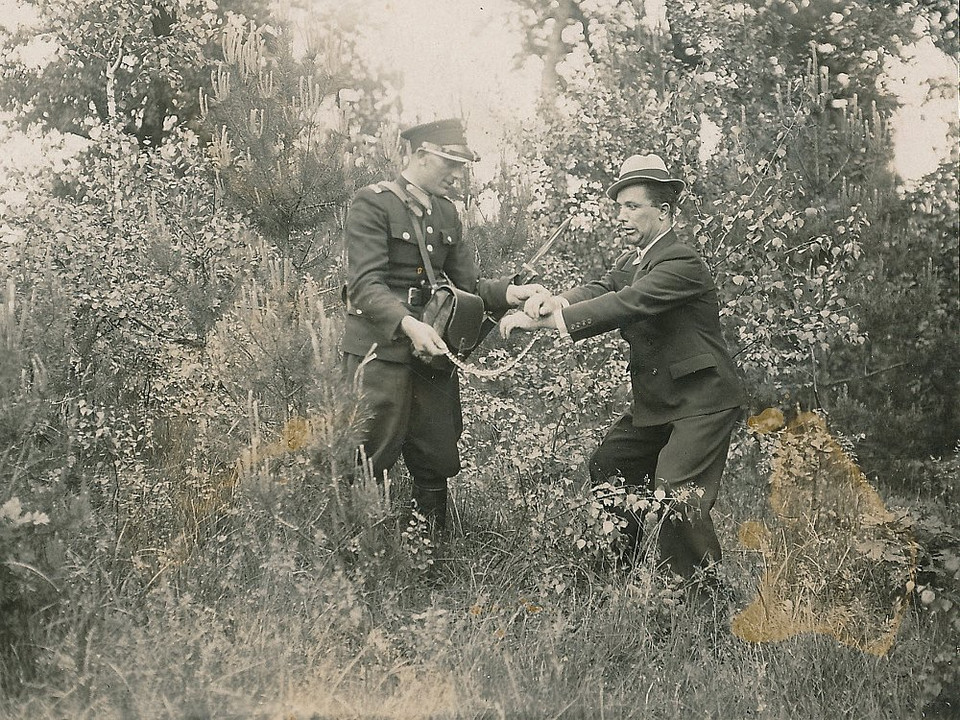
<point x="601" y="466"/>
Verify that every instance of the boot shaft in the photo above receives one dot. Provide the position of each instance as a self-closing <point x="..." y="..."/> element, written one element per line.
<point x="431" y="502"/>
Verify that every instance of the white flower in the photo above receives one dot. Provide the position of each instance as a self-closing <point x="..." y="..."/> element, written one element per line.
<point x="11" y="509"/>
<point x="825" y="48"/>
<point x="836" y="18"/>
<point x="574" y="184"/>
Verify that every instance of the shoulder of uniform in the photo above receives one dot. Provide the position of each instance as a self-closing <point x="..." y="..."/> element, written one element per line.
<point x="445" y="202"/>
<point x="446" y="207"/>
<point x="373" y="194"/>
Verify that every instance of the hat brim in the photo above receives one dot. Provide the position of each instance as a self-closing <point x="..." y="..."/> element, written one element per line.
<point x="457" y="153"/>
<point x="643" y="177"/>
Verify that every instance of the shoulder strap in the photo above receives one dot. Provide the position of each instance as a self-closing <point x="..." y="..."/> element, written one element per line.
<point x="417" y="216"/>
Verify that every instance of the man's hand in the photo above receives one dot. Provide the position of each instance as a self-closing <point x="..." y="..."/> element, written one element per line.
<point x="541" y="305"/>
<point x="522" y="321"/>
<point x="426" y="341"/>
<point x="517" y="294"/>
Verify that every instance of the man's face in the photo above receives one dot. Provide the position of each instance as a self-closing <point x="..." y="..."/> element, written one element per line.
<point x="638" y="217"/>
<point x="440" y="176"/>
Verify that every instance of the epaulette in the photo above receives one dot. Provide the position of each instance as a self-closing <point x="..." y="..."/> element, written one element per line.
<point x="377" y="188"/>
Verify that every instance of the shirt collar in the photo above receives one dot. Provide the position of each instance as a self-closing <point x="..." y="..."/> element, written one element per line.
<point x="641" y="252"/>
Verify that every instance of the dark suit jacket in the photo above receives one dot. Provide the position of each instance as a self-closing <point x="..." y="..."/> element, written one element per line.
<point x="667" y="309"/>
<point x="383" y="263"/>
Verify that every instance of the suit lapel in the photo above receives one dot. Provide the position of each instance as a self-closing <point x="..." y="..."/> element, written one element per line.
<point x="656" y="252"/>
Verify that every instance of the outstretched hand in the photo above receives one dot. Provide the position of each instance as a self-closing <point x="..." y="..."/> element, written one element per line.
<point x="522" y="321"/>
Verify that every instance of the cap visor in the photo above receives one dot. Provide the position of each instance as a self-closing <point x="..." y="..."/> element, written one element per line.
<point x="450" y="154"/>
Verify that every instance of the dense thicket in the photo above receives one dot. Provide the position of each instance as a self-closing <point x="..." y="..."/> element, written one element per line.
<point x="175" y="433"/>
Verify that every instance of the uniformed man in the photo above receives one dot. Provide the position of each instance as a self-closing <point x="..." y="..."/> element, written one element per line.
<point x="414" y="406"/>
<point x="687" y="396"/>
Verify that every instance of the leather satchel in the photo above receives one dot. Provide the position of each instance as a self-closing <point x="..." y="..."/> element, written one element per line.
<point x="455" y="314"/>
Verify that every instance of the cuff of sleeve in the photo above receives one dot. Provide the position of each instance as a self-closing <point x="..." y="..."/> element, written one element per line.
<point x="561" y="325"/>
<point x="494" y="293"/>
<point x="398" y="333"/>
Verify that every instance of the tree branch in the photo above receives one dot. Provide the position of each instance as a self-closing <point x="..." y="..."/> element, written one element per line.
<point x="864" y="376"/>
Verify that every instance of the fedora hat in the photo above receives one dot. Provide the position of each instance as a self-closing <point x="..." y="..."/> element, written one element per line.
<point x="643" y="168"/>
<point x="445" y="138"/>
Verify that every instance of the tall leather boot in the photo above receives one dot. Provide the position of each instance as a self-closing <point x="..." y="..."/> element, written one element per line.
<point x="430" y="498"/>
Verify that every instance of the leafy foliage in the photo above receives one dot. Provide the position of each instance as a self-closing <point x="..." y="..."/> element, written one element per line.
<point x="181" y="511"/>
<point x="134" y="63"/>
<point x="281" y="129"/>
<point x="901" y="389"/>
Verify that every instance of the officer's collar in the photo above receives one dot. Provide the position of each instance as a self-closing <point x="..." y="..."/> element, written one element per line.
<point x="418" y="193"/>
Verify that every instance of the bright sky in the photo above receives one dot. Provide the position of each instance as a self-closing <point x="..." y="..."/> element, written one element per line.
<point x="920" y="126"/>
<point x="457" y="57"/>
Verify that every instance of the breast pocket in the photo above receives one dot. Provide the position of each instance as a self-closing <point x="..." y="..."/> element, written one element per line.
<point x="403" y="248"/>
<point x="446" y="236"/>
<point x="403" y="232"/>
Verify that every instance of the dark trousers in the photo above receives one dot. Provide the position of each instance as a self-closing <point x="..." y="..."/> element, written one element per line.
<point x="686" y="454"/>
<point x="413" y="411"/>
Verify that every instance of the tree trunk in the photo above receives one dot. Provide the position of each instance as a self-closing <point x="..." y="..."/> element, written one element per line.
<point x="556" y="50"/>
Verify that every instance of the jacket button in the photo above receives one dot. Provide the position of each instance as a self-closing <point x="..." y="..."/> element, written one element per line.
<point x="406" y="236"/>
<point x="359" y="311"/>
<point x="653" y="372"/>
<point x="429" y="248"/>
<point x="429" y="228"/>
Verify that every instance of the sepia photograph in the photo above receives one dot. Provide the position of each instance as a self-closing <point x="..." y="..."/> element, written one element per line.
<point x="479" y="360"/>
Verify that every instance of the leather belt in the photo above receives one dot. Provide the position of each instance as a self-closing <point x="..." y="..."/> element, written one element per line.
<point x="418" y="296"/>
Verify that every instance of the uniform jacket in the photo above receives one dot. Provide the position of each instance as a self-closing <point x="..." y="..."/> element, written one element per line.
<point x="383" y="263"/>
<point x="666" y="308"/>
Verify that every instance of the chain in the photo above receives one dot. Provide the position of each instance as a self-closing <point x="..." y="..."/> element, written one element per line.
<point x="486" y="374"/>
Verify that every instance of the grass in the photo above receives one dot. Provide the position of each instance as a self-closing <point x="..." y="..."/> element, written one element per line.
<point x="476" y="640"/>
<point x="507" y="623"/>
<point x="439" y="660"/>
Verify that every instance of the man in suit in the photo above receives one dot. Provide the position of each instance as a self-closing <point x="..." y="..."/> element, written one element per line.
<point x="414" y="404"/>
<point x="687" y="396"/>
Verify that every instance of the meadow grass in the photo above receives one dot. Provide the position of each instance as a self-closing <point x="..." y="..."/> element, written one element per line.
<point x="476" y="637"/>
